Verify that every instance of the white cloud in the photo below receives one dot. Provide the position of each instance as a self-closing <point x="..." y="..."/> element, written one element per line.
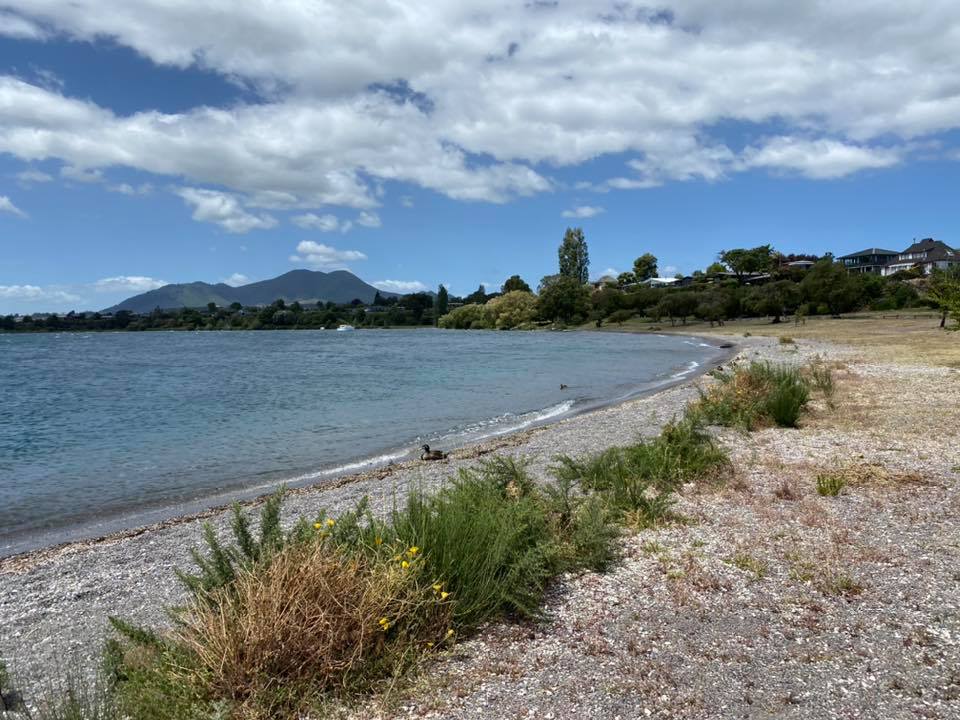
<point x="582" y="211"/>
<point x="127" y="284"/>
<point x="18" y="27"/>
<point x="489" y="92"/>
<point x="236" y="279"/>
<point x="127" y="189"/>
<point x="323" y="223"/>
<point x="324" y="257"/>
<point x="81" y="175"/>
<point x="224" y="209"/>
<point x="29" y="177"/>
<point x="402" y="287"/>
<point x="406" y="201"/>
<point x="6" y="205"/>
<point x="369" y="219"/>
<point x="36" y="293"/>
<point x="819" y="159"/>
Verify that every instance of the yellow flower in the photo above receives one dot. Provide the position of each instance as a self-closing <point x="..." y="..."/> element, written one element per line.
<point x="443" y="595"/>
<point x="317" y="526"/>
<point x="438" y="587"/>
<point x="331" y="522"/>
<point x="404" y="564"/>
<point x="413" y="551"/>
<point x="449" y="633"/>
<point x="378" y="541"/>
<point x="429" y="644"/>
<point x="384" y="624"/>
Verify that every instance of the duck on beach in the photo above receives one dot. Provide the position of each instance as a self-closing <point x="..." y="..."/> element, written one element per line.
<point x="429" y="454"/>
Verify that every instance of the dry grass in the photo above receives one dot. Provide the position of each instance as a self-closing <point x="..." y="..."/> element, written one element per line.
<point x="308" y="623"/>
<point x="874" y="475"/>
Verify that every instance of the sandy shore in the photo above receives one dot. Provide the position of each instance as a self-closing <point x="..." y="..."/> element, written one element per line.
<point x="773" y="602"/>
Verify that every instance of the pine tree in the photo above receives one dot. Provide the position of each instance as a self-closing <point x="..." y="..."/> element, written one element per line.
<point x="442" y="303"/>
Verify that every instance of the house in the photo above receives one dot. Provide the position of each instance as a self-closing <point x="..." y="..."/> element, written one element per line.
<point x="871" y="260"/>
<point x="799" y="264"/>
<point x="926" y="254"/>
<point x="659" y="282"/>
<point x="605" y="281"/>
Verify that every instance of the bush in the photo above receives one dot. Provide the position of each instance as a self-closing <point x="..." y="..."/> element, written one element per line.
<point x="511" y="310"/>
<point x="830" y="484"/>
<point x="754" y="395"/>
<point x="466" y="317"/>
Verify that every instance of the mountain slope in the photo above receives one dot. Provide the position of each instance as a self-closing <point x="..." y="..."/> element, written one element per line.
<point x="310" y="286"/>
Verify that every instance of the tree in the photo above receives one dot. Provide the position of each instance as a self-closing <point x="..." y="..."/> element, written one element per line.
<point x="211" y="307"/>
<point x="626" y="278"/>
<point x="442" y="303"/>
<point x="512" y="309"/>
<point x="715" y="269"/>
<point x="478" y="296"/>
<point x="644" y="267"/>
<point x="945" y="292"/>
<point x="236" y="307"/>
<point x="295" y="307"/>
<point x="562" y="298"/>
<point x="515" y="282"/>
<point x="378" y="298"/>
<point x="606" y="301"/>
<point x="743" y="261"/>
<point x="574" y="258"/>
<point x="774" y="299"/>
<point x="828" y="283"/>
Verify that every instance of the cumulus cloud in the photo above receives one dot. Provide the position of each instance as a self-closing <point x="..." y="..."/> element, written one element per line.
<point x="582" y="211"/>
<point x="323" y="223"/>
<point x="127" y="189"/>
<point x="36" y="293"/>
<point x="19" y="27"/>
<point x="236" y="279"/>
<point x="223" y="209"/>
<point x="81" y="175"/>
<point x="6" y="205"/>
<point x="30" y="177"/>
<point x="479" y="101"/>
<point x="128" y="284"/>
<point x="369" y="219"/>
<point x="401" y="287"/>
<point x="324" y="257"/>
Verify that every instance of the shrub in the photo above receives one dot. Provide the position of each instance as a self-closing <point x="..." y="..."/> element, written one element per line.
<point x="830" y="484"/>
<point x="786" y="340"/>
<point x="512" y="310"/>
<point x="752" y="395"/>
<point x="466" y="317"/>
<point x="822" y="379"/>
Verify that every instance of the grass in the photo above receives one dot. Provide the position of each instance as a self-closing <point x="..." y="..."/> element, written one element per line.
<point x="279" y="623"/>
<point x="750" y="564"/>
<point x="756" y="395"/>
<point x="786" y="340"/>
<point x="830" y="484"/>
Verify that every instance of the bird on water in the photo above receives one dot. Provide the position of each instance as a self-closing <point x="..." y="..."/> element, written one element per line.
<point x="429" y="454"/>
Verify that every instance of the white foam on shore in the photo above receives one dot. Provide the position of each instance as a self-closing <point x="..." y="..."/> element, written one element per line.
<point x="691" y="366"/>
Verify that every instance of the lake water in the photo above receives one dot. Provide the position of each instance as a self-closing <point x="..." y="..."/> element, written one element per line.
<point x="111" y="430"/>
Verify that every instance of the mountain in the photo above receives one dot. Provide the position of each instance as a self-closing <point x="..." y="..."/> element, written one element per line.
<point x="306" y="286"/>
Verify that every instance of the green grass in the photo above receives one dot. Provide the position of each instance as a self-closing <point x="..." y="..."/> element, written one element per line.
<point x="830" y="484"/>
<point x="756" y="395"/>
<point x="279" y="622"/>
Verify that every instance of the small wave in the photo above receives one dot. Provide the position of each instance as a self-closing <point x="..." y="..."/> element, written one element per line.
<point x="691" y="366"/>
<point x="348" y="468"/>
<point x="506" y="423"/>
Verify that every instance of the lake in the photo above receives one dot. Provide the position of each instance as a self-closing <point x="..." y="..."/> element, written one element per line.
<point x="111" y="430"/>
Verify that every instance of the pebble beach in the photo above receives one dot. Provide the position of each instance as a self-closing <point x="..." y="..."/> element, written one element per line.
<point x="772" y="601"/>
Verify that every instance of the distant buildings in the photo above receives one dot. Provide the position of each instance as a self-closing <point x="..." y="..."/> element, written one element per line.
<point x="926" y="255"/>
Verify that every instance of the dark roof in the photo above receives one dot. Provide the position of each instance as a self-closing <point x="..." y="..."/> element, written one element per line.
<point x="928" y="245"/>
<point x="870" y="251"/>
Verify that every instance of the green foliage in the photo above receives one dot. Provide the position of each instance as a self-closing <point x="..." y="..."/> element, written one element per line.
<point x="466" y="317"/>
<point x="821" y="377"/>
<point x="574" y="258"/>
<point x="514" y="309"/>
<point x="743" y="261"/>
<point x="562" y="298"/>
<point x="830" y="484"/>
<point x="515" y="282"/>
<point x="828" y="283"/>
<point x="644" y="267"/>
<point x="759" y="393"/>
<point x="442" y="302"/>
<point x="944" y="291"/>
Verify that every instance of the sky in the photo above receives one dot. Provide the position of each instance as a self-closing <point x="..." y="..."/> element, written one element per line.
<point x="144" y="142"/>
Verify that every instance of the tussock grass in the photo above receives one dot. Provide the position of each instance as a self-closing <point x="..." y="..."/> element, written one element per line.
<point x="756" y="395"/>
<point x="830" y="484"/>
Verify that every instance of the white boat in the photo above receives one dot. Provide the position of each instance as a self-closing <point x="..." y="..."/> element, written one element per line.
<point x="345" y="328"/>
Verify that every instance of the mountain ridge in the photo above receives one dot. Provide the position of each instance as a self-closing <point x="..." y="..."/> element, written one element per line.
<point x="304" y="286"/>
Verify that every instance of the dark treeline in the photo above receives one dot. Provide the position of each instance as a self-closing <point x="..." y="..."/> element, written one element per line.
<point x="410" y="310"/>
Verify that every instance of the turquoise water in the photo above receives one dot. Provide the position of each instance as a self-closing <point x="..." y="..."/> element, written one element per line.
<point x="102" y="431"/>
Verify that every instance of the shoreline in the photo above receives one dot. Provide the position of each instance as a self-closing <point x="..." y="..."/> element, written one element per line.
<point x="81" y="536"/>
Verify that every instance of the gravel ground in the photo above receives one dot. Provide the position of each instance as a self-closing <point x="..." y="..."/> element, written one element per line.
<point x="771" y="602"/>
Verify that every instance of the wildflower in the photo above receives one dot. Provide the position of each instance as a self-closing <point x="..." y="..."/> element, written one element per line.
<point x="378" y="541"/>
<point x="437" y="587"/>
<point x="331" y="522"/>
<point x="384" y="624"/>
<point x="443" y="595"/>
<point x="317" y="526"/>
<point x="413" y="551"/>
<point x="449" y="634"/>
<point x="404" y="564"/>
<point x="429" y="644"/>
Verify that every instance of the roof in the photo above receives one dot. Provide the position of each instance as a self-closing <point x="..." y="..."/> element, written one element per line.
<point x="929" y="245"/>
<point x="870" y="251"/>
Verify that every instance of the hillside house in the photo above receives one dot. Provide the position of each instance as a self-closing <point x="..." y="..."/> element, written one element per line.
<point x="871" y="260"/>
<point x="926" y="254"/>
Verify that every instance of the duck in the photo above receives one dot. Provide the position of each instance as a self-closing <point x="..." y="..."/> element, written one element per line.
<point x="429" y="454"/>
<point x="562" y="386"/>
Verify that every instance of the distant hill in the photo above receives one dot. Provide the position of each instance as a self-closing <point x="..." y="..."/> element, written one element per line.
<point x="305" y="286"/>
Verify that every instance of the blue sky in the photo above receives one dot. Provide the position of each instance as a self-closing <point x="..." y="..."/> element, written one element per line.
<point x="152" y="141"/>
